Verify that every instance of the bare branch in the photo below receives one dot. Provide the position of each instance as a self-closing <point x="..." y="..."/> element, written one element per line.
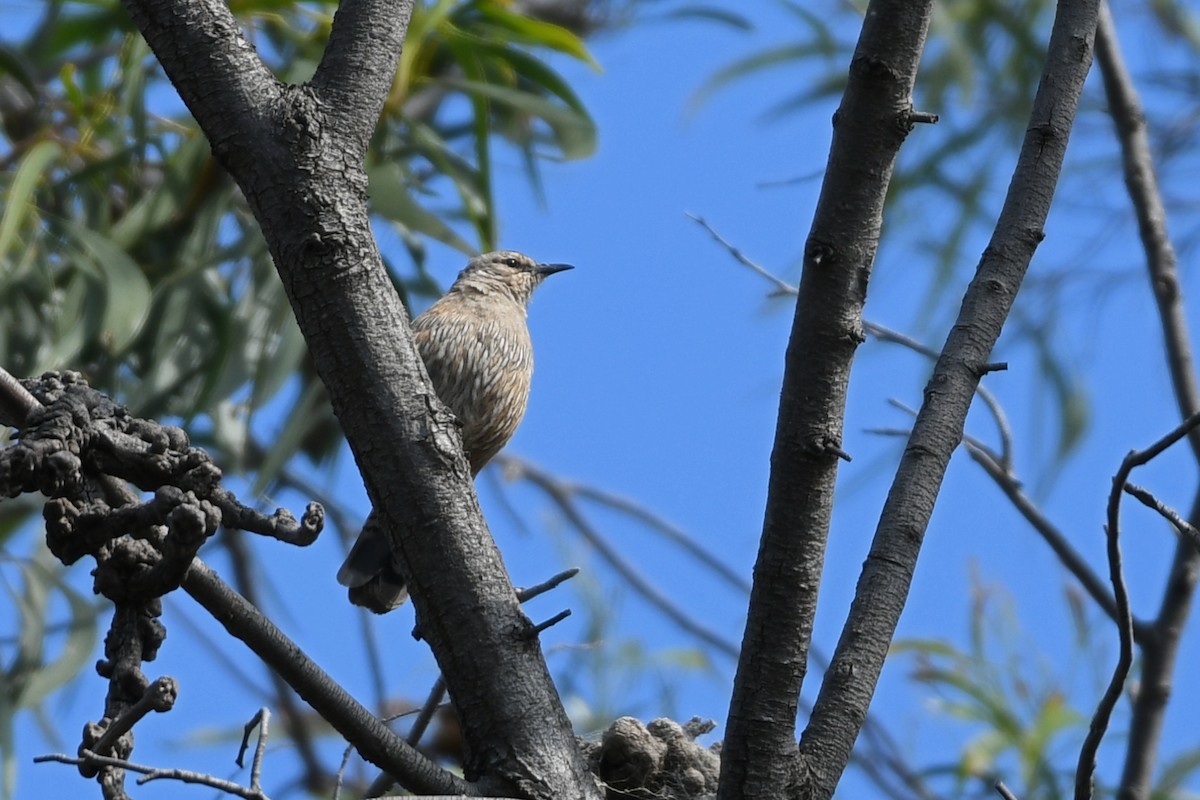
<point x="362" y="728"/>
<point x="383" y="782"/>
<point x="552" y="621"/>
<point x="782" y="287"/>
<point x="262" y="721"/>
<point x="552" y="583"/>
<point x="281" y="525"/>
<point x="1004" y="791"/>
<point x="515" y="468"/>
<point x="1158" y="664"/>
<point x="1142" y="183"/>
<point x="89" y="759"/>
<point x="1185" y="529"/>
<point x="1011" y="486"/>
<point x="883" y="334"/>
<point x="359" y="64"/>
<point x="158" y="697"/>
<point x="432" y="703"/>
<point x="1068" y="555"/>
<point x="882" y="590"/>
<point x="640" y="584"/>
<point x="1087" y="755"/>
<point x="16" y="403"/>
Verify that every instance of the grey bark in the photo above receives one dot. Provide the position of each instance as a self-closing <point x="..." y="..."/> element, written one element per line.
<point x="758" y="758"/>
<point x="883" y="584"/>
<point x="297" y="154"/>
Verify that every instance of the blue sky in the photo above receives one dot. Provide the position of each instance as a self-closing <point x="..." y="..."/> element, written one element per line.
<point x="658" y="367"/>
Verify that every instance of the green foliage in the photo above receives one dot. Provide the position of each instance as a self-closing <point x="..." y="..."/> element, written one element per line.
<point x="1028" y="726"/>
<point x="125" y="250"/>
<point x="55" y="640"/>
<point x="1022" y="712"/>
<point x="128" y="254"/>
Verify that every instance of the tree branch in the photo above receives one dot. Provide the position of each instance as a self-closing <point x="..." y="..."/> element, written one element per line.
<point x="1184" y="528"/>
<point x="297" y="159"/>
<point x="1158" y="660"/>
<point x="561" y="495"/>
<point x="874" y="118"/>
<point x="359" y="64"/>
<point x="1068" y="555"/>
<point x="231" y="91"/>
<point x="887" y="574"/>
<point x="514" y="467"/>
<point x="374" y="740"/>
<point x="1087" y="754"/>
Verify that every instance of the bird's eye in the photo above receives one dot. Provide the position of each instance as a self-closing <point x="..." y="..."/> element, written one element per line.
<point x="512" y="262"/>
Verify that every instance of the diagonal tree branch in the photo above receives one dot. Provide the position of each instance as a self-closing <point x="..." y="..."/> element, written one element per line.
<point x="1184" y="528"/>
<point x="358" y="66"/>
<point x="883" y="585"/>
<point x="296" y="154"/>
<point x="374" y="740"/>
<point x="1059" y="543"/>
<point x="245" y="622"/>
<point x="874" y="118"/>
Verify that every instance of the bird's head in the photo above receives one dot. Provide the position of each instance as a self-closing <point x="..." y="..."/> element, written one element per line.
<point x="507" y="271"/>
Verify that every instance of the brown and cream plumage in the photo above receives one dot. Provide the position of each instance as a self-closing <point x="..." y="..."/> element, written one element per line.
<point x="476" y="347"/>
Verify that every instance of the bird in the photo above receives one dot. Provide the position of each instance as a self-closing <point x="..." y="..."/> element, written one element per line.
<point x="477" y="350"/>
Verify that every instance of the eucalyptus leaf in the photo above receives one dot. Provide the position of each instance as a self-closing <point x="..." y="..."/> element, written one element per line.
<point x="575" y="133"/>
<point x="127" y="292"/>
<point x="391" y="199"/>
<point x="19" y="200"/>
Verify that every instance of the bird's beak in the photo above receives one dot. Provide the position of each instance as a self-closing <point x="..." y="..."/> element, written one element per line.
<point x="550" y="269"/>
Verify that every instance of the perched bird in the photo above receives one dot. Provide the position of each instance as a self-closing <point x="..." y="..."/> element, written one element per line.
<point x="476" y="347"/>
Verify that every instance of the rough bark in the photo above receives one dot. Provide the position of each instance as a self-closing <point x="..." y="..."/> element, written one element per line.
<point x="883" y="585"/>
<point x="875" y="116"/>
<point x="297" y="153"/>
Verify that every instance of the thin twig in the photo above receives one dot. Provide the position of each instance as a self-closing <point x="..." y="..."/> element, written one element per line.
<point x="782" y="287"/>
<point x="1185" y="529"/>
<point x="1129" y="120"/>
<point x="16" y="403"/>
<point x="1011" y="486"/>
<point x="514" y="468"/>
<point x="87" y="758"/>
<point x="437" y="694"/>
<point x="541" y="627"/>
<point x="565" y="502"/>
<point x="383" y="782"/>
<point x="1087" y="755"/>
<point x="339" y="778"/>
<point x="432" y="703"/>
<point x="1067" y="555"/>
<point x="262" y="721"/>
<point x="545" y="586"/>
<point x="159" y="696"/>
<point x="1004" y="791"/>
<point x="880" y="332"/>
